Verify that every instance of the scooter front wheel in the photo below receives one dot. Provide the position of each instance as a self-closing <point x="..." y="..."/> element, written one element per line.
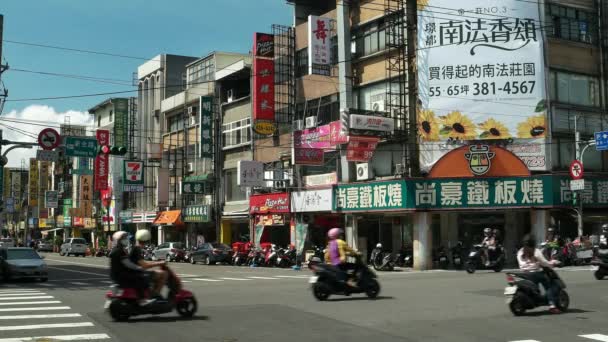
<point x="187" y="307"/>
<point x="470" y="267"/>
<point x="563" y="300"/>
<point x="373" y="289"/>
<point x="599" y="274"/>
<point x="517" y="306"/>
<point x="321" y="291"/>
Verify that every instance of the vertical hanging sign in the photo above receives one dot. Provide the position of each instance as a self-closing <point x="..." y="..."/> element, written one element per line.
<point x="206" y="105"/>
<point x="86" y="195"/>
<point x="263" y="85"/>
<point x="121" y="122"/>
<point x="102" y="161"/>
<point x="33" y="183"/>
<point x="319" y="45"/>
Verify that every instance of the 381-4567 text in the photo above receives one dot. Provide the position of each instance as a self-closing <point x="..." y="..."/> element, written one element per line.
<point x="485" y="88"/>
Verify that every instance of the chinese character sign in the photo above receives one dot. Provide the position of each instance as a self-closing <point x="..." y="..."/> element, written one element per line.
<point x="86" y="195"/>
<point x="370" y="196"/>
<point x="206" y="115"/>
<point x="102" y="161"/>
<point x="481" y="77"/>
<point x="121" y="121"/>
<point x="319" y="45"/>
<point x="263" y="45"/>
<point x="34" y="185"/>
<point x="263" y="96"/>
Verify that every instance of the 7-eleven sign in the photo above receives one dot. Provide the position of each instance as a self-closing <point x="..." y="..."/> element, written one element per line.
<point x="133" y="175"/>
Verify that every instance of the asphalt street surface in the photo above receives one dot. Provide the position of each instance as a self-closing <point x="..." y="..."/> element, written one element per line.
<point x="260" y="304"/>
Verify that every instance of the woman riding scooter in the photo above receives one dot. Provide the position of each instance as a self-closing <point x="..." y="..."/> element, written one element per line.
<point x="337" y="251"/>
<point x="531" y="260"/>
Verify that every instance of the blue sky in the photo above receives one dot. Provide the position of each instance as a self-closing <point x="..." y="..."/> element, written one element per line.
<point x="139" y="28"/>
<point x="142" y="28"/>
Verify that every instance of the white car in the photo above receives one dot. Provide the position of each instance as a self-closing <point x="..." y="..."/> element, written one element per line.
<point x="74" y="246"/>
<point x="7" y="242"/>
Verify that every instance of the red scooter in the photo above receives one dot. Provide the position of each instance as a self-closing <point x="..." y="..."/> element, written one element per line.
<point x="123" y="303"/>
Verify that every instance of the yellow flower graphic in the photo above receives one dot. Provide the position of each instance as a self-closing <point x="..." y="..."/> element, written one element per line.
<point x="458" y="126"/>
<point x="422" y="4"/>
<point x="492" y="129"/>
<point x="533" y="127"/>
<point x="428" y="127"/>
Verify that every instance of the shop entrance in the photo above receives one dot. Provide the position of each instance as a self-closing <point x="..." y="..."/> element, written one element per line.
<point x="471" y="226"/>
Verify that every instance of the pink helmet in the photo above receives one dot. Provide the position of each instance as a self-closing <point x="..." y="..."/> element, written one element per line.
<point x="334" y="233"/>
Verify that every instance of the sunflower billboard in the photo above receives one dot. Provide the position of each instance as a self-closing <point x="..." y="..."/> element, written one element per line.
<point x="481" y="78"/>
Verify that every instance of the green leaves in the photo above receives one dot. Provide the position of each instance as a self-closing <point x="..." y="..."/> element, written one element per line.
<point x="541" y="106"/>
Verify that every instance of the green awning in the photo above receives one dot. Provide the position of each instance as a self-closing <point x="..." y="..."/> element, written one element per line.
<point x="208" y="177"/>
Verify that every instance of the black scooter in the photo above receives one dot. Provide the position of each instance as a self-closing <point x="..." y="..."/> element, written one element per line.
<point x="475" y="260"/>
<point x="457" y="255"/>
<point x="326" y="281"/>
<point x="316" y="258"/>
<point x="382" y="261"/>
<point x="523" y="294"/>
<point x="602" y="263"/>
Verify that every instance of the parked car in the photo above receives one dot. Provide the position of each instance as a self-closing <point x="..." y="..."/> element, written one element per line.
<point x="22" y="262"/>
<point x="7" y="242"/>
<point x="170" y="251"/>
<point x="211" y="253"/>
<point x="45" y="246"/>
<point x="74" y="246"/>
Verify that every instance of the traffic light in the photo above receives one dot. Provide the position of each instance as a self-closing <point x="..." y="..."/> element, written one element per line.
<point x="113" y="150"/>
<point x="575" y="198"/>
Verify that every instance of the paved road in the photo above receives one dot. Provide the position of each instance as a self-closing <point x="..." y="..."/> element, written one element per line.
<point x="244" y="304"/>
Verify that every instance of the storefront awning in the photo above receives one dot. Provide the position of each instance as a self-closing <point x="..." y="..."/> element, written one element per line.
<point x="169" y="218"/>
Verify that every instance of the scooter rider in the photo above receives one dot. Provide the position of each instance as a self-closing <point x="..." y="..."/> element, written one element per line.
<point x="137" y="257"/>
<point x="604" y="236"/>
<point x="375" y="252"/>
<point x="489" y="242"/>
<point x="123" y="271"/>
<point x="337" y="251"/>
<point x="531" y="260"/>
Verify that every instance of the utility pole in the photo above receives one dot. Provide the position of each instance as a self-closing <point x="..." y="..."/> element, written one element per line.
<point x="579" y="154"/>
<point x="3" y="92"/>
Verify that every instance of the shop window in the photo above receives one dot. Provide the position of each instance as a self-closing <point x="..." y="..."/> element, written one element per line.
<point x="233" y="191"/>
<point x="370" y="38"/>
<point x="588" y="122"/>
<point x="373" y="97"/>
<point x="575" y="89"/>
<point x="571" y="24"/>
<point x="326" y="109"/>
<point x="564" y="154"/>
<point x="201" y="72"/>
<point x="236" y="133"/>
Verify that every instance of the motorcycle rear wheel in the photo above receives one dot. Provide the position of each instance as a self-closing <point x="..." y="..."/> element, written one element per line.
<point x="470" y="268"/>
<point x="187" y="307"/>
<point x="373" y="289"/>
<point x="119" y="310"/>
<point x="563" y="300"/>
<point x="517" y="306"/>
<point x="321" y="291"/>
<point x="599" y="274"/>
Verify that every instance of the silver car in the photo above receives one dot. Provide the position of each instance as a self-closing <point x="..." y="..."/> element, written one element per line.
<point x="74" y="246"/>
<point x="45" y="246"/>
<point x="22" y="262"/>
<point x="170" y="251"/>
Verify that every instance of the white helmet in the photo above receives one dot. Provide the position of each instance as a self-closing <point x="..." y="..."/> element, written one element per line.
<point x="379" y="245"/>
<point x="143" y="235"/>
<point x="119" y="235"/>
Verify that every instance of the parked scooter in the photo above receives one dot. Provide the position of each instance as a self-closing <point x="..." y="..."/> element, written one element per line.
<point x="286" y="257"/>
<point x="326" y="281"/>
<point x="458" y="255"/>
<point x="381" y="260"/>
<point x="441" y="258"/>
<point x="317" y="258"/>
<point x="523" y="294"/>
<point x="123" y="303"/>
<point x="270" y="257"/>
<point x="475" y="260"/>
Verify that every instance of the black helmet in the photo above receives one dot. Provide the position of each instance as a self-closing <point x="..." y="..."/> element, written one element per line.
<point x="529" y="241"/>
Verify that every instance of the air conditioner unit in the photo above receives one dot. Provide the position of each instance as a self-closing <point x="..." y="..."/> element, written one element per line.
<point x="190" y="167"/>
<point x="171" y="166"/>
<point x="364" y="171"/>
<point x="378" y="106"/>
<point x="192" y="120"/>
<point x="230" y="95"/>
<point x="311" y="122"/>
<point x="298" y="125"/>
<point x="399" y="169"/>
<point x="191" y="110"/>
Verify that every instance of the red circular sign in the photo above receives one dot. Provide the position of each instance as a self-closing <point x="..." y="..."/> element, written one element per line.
<point x="49" y="139"/>
<point x="576" y="170"/>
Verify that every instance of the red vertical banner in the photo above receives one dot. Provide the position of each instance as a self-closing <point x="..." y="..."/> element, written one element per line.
<point x="263" y="85"/>
<point x="102" y="161"/>
<point x="361" y="148"/>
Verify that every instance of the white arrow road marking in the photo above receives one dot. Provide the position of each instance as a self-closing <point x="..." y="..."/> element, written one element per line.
<point x="28" y="297"/>
<point x="46" y="326"/>
<point x="597" y="337"/>
<point x="85" y="337"/>
<point x="41" y="316"/>
<point x="37" y="308"/>
<point x="28" y="303"/>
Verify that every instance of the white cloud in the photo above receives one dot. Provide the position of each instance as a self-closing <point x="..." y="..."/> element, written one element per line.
<point x="38" y="117"/>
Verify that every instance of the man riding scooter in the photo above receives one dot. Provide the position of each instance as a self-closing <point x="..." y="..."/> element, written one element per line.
<point x="124" y="272"/>
<point x="489" y="242"/>
<point x="137" y="257"/>
<point x="604" y="236"/>
<point x="337" y="251"/>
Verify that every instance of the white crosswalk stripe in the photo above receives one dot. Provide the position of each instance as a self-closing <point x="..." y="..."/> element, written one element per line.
<point x="293" y="277"/>
<point x="237" y="279"/>
<point x="84" y="337"/>
<point x="209" y="280"/>
<point x="22" y="306"/>
<point x="596" y="337"/>
<point x="264" y="278"/>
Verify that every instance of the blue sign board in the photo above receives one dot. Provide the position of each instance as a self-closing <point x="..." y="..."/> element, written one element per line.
<point x="601" y="141"/>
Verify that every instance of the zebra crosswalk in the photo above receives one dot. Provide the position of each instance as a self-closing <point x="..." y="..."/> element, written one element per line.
<point x="581" y="338"/>
<point x="33" y="315"/>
